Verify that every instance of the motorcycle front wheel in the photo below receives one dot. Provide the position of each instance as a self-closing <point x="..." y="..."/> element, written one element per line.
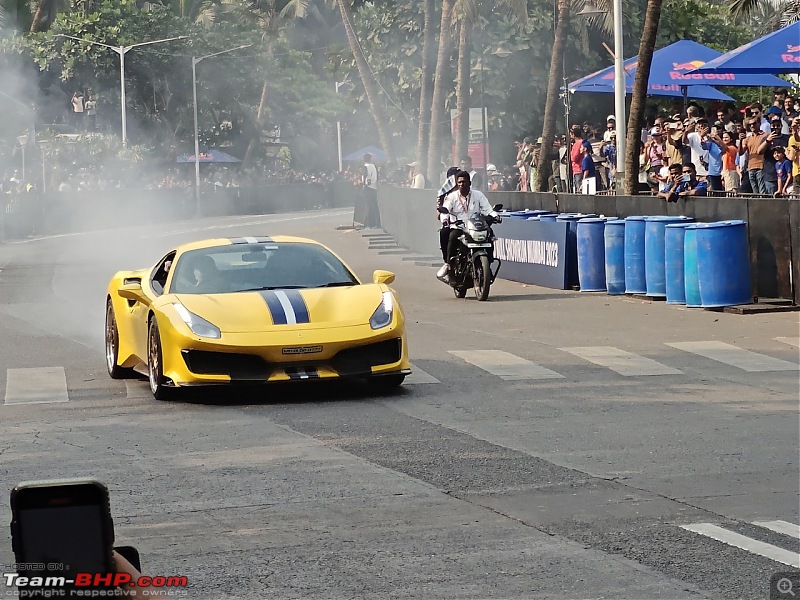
<point x="482" y="277"/>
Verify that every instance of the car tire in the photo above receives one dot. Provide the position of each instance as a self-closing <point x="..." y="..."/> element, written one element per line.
<point x="112" y="345"/>
<point x="387" y="382"/>
<point x="155" y="365"/>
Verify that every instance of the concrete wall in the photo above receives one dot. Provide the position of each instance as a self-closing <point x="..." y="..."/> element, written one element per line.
<point x="82" y="211"/>
<point x="773" y="224"/>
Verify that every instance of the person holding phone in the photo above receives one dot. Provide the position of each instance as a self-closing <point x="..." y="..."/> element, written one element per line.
<point x="683" y="183"/>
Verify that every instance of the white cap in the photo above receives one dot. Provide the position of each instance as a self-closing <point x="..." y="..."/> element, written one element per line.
<point x="491" y="167"/>
<point x="611" y="118"/>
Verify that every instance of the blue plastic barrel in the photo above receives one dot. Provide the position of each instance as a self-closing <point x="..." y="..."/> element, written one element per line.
<point x="614" y="237"/>
<point x="634" y="255"/>
<point x="690" y="281"/>
<point x="550" y="217"/>
<point x="571" y="219"/>
<point x="723" y="264"/>
<point x="654" y="268"/>
<point x="674" y="234"/>
<point x="591" y="255"/>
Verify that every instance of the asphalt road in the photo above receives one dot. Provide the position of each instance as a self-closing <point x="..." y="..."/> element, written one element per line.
<point x="550" y="444"/>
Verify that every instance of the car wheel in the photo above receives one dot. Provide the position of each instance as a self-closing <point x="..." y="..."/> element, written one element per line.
<point x="112" y="345"/>
<point x="387" y="382"/>
<point x="155" y="366"/>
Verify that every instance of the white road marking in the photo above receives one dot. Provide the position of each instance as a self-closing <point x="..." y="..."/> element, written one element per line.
<point x="42" y="385"/>
<point x="784" y="527"/>
<point x="624" y="363"/>
<point x="745" y="543"/>
<point x="504" y="365"/>
<point x="792" y="341"/>
<point x="736" y="357"/>
<point x="420" y="376"/>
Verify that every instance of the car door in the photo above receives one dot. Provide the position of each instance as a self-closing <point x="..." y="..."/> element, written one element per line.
<point x="152" y="286"/>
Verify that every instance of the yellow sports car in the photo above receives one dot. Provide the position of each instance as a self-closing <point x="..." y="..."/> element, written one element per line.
<point x="253" y="310"/>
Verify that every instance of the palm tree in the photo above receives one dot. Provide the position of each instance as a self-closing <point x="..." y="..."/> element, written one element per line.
<point x="426" y="83"/>
<point x="367" y="79"/>
<point x="44" y="14"/>
<point x="772" y="14"/>
<point x="633" y="136"/>
<point x="543" y="162"/>
<point x="463" y="88"/>
<point x="440" y="84"/>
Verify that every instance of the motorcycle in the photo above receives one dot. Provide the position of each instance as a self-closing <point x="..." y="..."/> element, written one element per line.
<point x="474" y="265"/>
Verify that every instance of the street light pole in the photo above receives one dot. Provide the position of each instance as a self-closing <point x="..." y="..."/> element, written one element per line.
<point x="339" y="127"/>
<point x="23" y="141"/>
<point x="619" y="94"/>
<point x="195" y="60"/>
<point x="122" y="51"/>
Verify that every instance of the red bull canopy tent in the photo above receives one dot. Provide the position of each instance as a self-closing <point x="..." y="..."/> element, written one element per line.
<point x="670" y="74"/>
<point x="777" y="52"/>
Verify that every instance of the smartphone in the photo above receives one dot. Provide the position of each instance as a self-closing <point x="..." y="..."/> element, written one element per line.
<point x="62" y="527"/>
<point x="686" y="177"/>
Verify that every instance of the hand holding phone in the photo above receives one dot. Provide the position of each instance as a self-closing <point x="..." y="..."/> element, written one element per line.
<point x="63" y="526"/>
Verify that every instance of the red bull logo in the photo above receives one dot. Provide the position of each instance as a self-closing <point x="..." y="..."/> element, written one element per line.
<point x="687" y="66"/>
<point x="790" y="56"/>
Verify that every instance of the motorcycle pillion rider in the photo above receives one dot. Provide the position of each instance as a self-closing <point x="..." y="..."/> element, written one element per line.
<point x="461" y="204"/>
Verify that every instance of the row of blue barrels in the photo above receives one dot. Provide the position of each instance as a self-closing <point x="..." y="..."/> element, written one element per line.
<point x="697" y="264"/>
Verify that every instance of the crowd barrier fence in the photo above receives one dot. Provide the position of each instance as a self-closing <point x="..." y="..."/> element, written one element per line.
<point x="773" y="224"/>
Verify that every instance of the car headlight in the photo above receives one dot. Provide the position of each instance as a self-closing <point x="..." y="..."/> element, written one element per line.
<point x="478" y="236"/>
<point x="197" y="324"/>
<point x="383" y="314"/>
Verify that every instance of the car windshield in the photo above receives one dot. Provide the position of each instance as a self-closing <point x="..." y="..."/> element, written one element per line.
<point x="253" y="267"/>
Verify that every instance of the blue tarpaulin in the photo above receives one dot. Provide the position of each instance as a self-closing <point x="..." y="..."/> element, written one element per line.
<point x="670" y="72"/>
<point x="209" y="156"/>
<point x="777" y="52"/>
<point x="378" y="155"/>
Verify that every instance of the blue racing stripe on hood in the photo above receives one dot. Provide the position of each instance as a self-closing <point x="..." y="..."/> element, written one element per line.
<point x="299" y="306"/>
<point x="275" y="307"/>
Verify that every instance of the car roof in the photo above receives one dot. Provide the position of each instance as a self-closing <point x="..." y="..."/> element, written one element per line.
<point x="216" y="242"/>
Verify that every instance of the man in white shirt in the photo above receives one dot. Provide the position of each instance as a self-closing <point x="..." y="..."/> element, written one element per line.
<point x="695" y="141"/>
<point x="461" y="205"/>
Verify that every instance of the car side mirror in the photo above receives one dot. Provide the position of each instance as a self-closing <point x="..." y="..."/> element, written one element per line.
<point x="380" y="276"/>
<point x="132" y="291"/>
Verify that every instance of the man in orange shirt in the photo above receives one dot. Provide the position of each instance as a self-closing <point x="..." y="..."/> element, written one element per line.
<point x="755" y="144"/>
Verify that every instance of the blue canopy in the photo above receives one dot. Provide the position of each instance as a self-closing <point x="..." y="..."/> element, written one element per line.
<point x="378" y="155"/>
<point x="209" y="156"/>
<point x="669" y="72"/>
<point x="777" y="52"/>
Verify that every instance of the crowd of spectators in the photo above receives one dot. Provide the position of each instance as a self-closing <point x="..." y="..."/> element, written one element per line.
<point x="749" y="150"/>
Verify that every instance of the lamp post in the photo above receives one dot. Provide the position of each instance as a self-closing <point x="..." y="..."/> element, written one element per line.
<point x="619" y="83"/>
<point x="339" y="126"/>
<point x="23" y="141"/>
<point x="122" y="51"/>
<point x="195" y="60"/>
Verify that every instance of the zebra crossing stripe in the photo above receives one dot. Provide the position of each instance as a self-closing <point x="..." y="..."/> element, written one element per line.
<point x="505" y="365"/>
<point x="745" y="543"/>
<point x="624" y="363"/>
<point x="420" y="376"/>
<point x="42" y="385"/>
<point x="783" y="527"/>
<point x="751" y="362"/>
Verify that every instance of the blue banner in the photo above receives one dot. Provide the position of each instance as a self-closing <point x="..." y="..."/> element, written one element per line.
<point x="532" y="252"/>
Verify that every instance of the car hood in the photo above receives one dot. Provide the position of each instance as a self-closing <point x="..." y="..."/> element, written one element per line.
<point x="274" y="310"/>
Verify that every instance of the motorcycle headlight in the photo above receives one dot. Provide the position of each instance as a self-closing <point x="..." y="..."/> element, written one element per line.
<point x="383" y="314"/>
<point x="198" y="325"/>
<point x="479" y="236"/>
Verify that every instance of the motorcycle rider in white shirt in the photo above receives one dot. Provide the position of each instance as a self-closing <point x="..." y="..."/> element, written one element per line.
<point x="461" y="205"/>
